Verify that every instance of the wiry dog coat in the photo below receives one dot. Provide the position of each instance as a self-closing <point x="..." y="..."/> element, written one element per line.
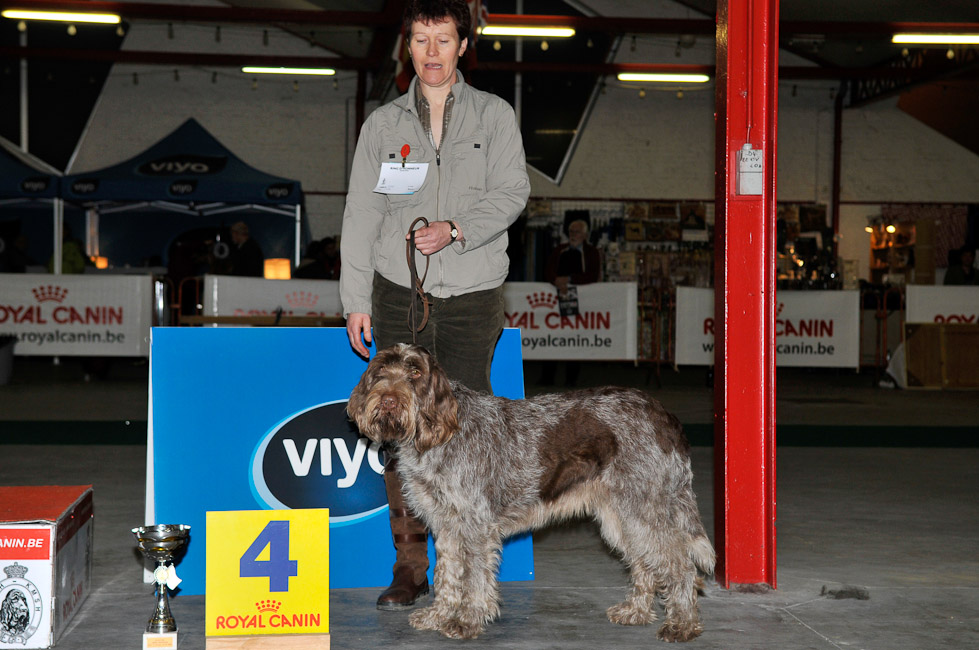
<point x="478" y="468"/>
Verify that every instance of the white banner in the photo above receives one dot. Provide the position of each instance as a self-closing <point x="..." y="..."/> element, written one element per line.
<point x="77" y="315"/>
<point x="604" y="328"/>
<point x="954" y="304"/>
<point x="226" y="295"/>
<point x="812" y="328"/>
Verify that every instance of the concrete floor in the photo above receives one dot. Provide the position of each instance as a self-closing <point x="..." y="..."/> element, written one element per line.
<point x="877" y="546"/>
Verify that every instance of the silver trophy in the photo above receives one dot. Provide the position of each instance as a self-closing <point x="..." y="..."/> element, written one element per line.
<point x="160" y="543"/>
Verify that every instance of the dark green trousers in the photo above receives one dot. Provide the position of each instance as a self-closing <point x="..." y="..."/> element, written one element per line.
<point x="462" y="331"/>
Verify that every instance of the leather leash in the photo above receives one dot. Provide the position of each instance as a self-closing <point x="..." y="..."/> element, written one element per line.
<point x="417" y="284"/>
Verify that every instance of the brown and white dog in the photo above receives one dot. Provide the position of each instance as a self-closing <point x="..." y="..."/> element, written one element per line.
<point x="478" y="468"/>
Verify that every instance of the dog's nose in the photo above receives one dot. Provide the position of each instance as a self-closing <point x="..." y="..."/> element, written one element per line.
<point x="388" y="403"/>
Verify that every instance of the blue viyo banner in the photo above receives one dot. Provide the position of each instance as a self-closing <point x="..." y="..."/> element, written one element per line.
<point x="255" y="418"/>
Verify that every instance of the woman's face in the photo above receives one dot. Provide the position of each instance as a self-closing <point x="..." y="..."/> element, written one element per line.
<point x="435" y="50"/>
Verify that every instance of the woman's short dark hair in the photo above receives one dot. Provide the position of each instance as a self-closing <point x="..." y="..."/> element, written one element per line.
<point x="428" y="11"/>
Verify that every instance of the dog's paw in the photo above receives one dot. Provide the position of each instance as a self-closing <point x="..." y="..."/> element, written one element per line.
<point x="457" y="629"/>
<point x="627" y="613"/>
<point x="671" y="632"/>
<point x="426" y="618"/>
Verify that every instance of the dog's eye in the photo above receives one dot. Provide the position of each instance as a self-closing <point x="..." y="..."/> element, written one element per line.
<point x="414" y="373"/>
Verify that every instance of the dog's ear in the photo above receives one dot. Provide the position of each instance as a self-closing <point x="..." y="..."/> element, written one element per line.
<point x="355" y="403"/>
<point x="438" y="418"/>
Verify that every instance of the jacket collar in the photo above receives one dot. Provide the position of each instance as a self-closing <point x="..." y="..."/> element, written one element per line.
<point x="408" y="100"/>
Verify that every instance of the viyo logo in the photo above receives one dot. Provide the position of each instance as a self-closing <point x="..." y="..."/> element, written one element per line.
<point x="317" y="459"/>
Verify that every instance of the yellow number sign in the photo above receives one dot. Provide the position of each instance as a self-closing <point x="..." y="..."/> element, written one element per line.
<point x="268" y="572"/>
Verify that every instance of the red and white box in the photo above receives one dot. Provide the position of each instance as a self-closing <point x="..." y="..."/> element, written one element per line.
<point x="45" y="561"/>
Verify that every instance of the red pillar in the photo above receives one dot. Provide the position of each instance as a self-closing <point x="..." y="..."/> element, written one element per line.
<point x="744" y="290"/>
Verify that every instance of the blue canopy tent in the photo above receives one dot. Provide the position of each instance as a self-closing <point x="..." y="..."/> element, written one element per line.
<point x="27" y="185"/>
<point x="188" y="172"/>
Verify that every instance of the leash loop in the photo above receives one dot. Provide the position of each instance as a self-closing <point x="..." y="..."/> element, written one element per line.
<point x="417" y="284"/>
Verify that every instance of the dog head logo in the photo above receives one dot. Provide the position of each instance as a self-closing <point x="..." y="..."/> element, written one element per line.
<point x="313" y="458"/>
<point x="21" y="606"/>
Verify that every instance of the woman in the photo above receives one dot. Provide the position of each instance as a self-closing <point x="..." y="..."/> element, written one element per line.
<point x="474" y="187"/>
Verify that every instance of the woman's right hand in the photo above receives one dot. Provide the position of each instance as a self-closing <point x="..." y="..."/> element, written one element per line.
<point x="359" y="325"/>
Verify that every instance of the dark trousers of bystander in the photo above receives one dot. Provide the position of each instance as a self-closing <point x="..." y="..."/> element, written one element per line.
<point x="462" y="331"/>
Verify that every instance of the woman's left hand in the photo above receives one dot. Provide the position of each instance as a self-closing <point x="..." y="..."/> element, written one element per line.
<point x="433" y="238"/>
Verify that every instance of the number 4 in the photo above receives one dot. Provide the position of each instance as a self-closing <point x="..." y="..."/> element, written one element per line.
<point x="278" y="568"/>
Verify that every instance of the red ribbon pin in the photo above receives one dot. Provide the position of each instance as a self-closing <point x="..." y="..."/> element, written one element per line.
<point x="405" y="150"/>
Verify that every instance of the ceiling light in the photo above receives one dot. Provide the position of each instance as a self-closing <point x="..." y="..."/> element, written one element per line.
<point x="313" y="71"/>
<point x="936" y="39"/>
<point x="18" y="14"/>
<point x="663" y="77"/>
<point x="545" y="32"/>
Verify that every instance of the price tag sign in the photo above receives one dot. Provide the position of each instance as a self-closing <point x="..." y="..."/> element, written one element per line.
<point x="268" y="572"/>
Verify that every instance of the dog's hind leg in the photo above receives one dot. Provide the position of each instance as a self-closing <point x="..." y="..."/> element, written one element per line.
<point x="677" y="577"/>
<point x="640" y="607"/>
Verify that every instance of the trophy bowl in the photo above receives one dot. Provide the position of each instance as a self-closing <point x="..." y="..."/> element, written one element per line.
<point x="159" y="543"/>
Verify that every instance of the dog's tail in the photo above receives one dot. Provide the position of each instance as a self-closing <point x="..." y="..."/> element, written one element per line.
<point x="702" y="553"/>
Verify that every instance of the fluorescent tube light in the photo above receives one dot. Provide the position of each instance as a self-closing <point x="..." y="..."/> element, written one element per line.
<point x="663" y="77"/>
<point x="18" y="14"/>
<point x="314" y="71"/>
<point x="936" y="39"/>
<point x="542" y="32"/>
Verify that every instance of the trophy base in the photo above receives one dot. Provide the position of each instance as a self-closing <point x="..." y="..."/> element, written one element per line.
<point x="269" y="642"/>
<point x="159" y="641"/>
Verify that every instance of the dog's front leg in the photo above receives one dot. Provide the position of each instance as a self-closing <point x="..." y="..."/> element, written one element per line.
<point x="449" y="576"/>
<point x="465" y="584"/>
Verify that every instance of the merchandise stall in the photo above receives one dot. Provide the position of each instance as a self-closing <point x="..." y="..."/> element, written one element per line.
<point x="662" y="246"/>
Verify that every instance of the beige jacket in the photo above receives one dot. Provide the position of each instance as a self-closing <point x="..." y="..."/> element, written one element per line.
<point x="479" y="181"/>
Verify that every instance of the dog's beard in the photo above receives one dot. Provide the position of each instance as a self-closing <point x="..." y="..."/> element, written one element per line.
<point x="395" y="425"/>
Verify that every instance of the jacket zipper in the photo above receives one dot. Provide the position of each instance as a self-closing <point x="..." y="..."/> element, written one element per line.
<point x="438" y="190"/>
<point x="438" y="200"/>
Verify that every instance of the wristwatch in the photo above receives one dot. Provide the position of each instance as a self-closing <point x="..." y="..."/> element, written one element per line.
<point x="453" y="230"/>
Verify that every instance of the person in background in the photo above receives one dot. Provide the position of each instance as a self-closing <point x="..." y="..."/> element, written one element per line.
<point x="574" y="263"/>
<point x="72" y="258"/>
<point x="963" y="272"/>
<point x="331" y="258"/>
<point x="14" y="257"/>
<point x="247" y="258"/>
<point x="322" y="261"/>
<point x="474" y="187"/>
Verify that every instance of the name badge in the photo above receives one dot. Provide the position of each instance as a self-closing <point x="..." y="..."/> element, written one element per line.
<point x="401" y="178"/>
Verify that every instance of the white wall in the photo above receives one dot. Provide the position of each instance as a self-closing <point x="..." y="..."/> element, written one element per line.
<point x="653" y="147"/>
<point x="304" y="134"/>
